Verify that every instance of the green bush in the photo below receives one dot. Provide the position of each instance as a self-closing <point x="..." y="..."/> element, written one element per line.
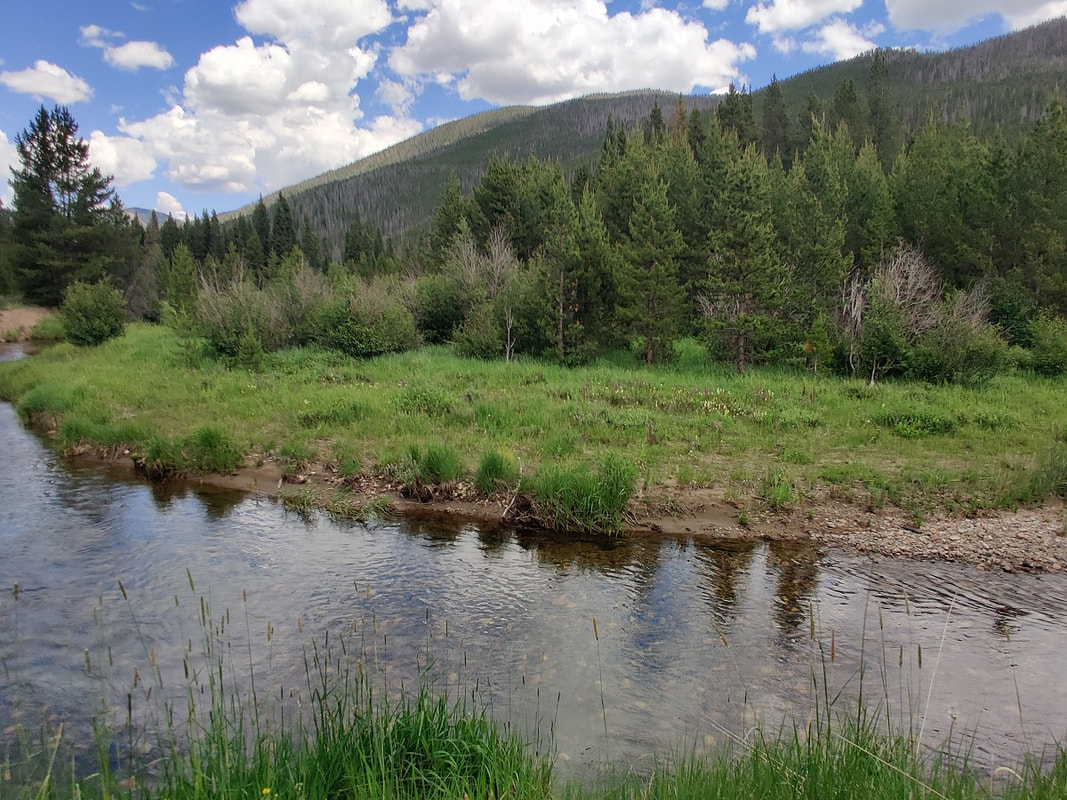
<point x="49" y="329"/>
<point x="440" y="464"/>
<point x="92" y="313"/>
<point x="575" y="498"/>
<point x="495" y="471"/>
<point x="479" y="335"/>
<point x="958" y="353"/>
<point x="438" y="307"/>
<point x="209" y="449"/>
<point x="1048" y="348"/>
<point x="916" y="423"/>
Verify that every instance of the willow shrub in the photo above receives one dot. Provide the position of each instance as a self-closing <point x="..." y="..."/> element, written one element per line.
<point x="92" y="313"/>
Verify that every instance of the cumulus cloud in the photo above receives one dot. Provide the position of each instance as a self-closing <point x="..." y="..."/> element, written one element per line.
<point x="134" y="55"/>
<point x="45" y="79"/>
<point x="254" y="116"/>
<point x="542" y="51"/>
<point x="945" y="16"/>
<point x="128" y="160"/>
<point x="716" y="5"/>
<point x="839" y="40"/>
<point x="128" y="56"/>
<point x="169" y="206"/>
<point x="795" y="15"/>
<point x="324" y="22"/>
<point x="9" y="162"/>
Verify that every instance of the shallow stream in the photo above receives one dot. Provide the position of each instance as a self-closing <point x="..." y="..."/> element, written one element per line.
<point x="695" y="641"/>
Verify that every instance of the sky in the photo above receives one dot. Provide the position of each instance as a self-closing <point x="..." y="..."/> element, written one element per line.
<point x="197" y="105"/>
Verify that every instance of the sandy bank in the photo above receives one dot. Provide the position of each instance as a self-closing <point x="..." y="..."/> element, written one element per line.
<point x="1027" y="540"/>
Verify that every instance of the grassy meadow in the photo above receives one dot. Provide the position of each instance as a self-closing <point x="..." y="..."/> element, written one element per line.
<point x="764" y="440"/>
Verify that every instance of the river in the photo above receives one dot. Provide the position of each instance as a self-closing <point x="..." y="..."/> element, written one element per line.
<point x="695" y="640"/>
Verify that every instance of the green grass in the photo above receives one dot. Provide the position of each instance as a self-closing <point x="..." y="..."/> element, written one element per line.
<point x="574" y="497"/>
<point x="692" y="423"/>
<point x="496" y="472"/>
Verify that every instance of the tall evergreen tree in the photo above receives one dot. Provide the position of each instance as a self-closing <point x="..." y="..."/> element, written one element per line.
<point x="746" y="281"/>
<point x="282" y="230"/>
<point x="649" y="292"/>
<point x="62" y="226"/>
<point x="847" y="108"/>
<point x="887" y="131"/>
<point x="736" y="114"/>
<point x="775" y="123"/>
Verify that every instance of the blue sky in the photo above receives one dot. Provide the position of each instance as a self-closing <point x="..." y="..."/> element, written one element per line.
<point x="201" y="104"/>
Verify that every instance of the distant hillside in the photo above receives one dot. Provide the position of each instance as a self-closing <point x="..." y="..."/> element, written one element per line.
<point x="1000" y="85"/>
<point x="398" y="188"/>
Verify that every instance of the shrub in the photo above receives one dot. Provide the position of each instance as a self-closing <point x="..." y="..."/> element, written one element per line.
<point x="495" y="471"/>
<point x="575" y="498"/>
<point x="371" y="321"/>
<point x="438" y="307"/>
<point x="479" y="335"/>
<point x="92" y="313"/>
<point x="1048" y="347"/>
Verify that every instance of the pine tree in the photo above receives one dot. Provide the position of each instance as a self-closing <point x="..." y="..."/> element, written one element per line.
<point x="649" y="293"/>
<point x="283" y="230"/>
<point x="887" y="131"/>
<point x="848" y="109"/>
<point x="746" y="282"/>
<point x="62" y="227"/>
<point x="736" y="114"/>
<point x="775" y="123"/>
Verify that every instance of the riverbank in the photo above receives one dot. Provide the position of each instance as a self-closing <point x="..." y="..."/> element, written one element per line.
<point x="921" y="471"/>
<point x="1021" y="540"/>
<point x="16" y="324"/>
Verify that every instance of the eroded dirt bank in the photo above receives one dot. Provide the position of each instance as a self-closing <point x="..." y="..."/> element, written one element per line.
<point x="1030" y="540"/>
<point x="16" y="323"/>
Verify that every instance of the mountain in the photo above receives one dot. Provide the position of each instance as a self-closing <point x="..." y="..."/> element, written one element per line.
<point x="398" y="188"/>
<point x="1002" y="85"/>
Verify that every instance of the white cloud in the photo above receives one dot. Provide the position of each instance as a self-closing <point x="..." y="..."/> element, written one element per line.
<point x="398" y="96"/>
<point x="716" y="5"/>
<point x="134" y="55"/>
<point x="129" y="55"/>
<point x="128" y="160"/>
<point x="542" y="51"/>
<point x="945" y="16"/>
<point x="169" y="205"/>
<point x="45" y="79"/>
<point x="795" y="15"/>
<point x="9" y="162"/>
<point x="97" y="36"/>
<point x="839" y="40"/>
<point x="324" y="22"/>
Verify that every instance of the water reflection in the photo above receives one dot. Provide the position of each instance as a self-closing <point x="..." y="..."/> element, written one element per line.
<point x="797" y="565"/>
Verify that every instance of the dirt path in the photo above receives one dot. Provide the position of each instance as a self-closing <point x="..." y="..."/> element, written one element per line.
<point x="16" y="323"/>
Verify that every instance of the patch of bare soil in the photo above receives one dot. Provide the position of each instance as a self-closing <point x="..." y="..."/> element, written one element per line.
<point x="16" y="323"/>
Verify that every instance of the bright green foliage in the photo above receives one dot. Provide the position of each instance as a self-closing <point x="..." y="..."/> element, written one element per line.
<point x="495" y="472"/>
<point x="869" y="213"/>
<point x="1048" y="337"/>
<point x="943" y="191"/>
<point x="92" y="313"/>
<point x="181" y="280"/>
<point x="574" y="498"/>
